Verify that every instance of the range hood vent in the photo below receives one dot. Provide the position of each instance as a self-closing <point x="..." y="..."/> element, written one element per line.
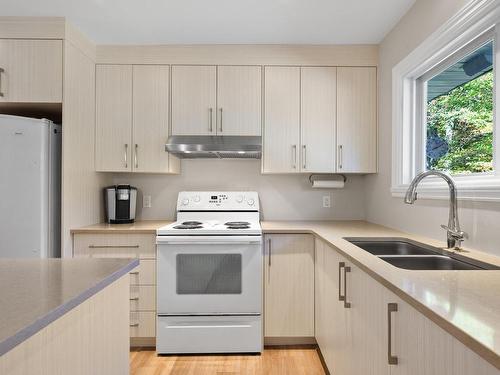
<point x="216" y="147"/>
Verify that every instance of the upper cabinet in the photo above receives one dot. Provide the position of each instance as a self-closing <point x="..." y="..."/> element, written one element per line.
<point x="132" y="107"/>
<point x="194" y="100"/>
<point x="31" y="70"/>
<point x="281" y="119"/>
<point x="210" y="100"/>
<point x="357" y="120"/>
<point x="320" y="120"/>
<point x="239" y="100"/>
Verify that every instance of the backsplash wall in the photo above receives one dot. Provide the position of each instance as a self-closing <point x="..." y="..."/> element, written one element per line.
<point x="282" y="197"/>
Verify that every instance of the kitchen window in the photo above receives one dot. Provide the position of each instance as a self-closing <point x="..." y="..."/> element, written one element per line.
<point x="444" y="110"/>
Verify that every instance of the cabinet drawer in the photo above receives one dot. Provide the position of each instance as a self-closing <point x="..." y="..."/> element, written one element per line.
<point x="145" y="273"/>
<point x="142" y="298"/>
<point x="143" y="324"/>
<point x="115" y="245"/>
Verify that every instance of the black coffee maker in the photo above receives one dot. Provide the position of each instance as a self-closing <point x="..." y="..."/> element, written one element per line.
<point x="120" y="202"/>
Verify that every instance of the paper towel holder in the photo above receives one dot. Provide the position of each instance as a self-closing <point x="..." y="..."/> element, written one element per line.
<point x="325" y="176"/>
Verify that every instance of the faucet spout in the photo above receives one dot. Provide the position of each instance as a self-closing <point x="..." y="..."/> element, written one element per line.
<point x="454" y="234"/>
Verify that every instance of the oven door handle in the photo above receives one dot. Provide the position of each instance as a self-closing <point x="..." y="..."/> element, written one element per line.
<point x="209" y="242"/>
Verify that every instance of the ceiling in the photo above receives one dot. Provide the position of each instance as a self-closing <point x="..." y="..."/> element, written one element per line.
<point x="222" y="21"/>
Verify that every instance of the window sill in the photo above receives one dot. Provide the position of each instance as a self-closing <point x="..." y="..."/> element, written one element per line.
<point x="480" y="189"/>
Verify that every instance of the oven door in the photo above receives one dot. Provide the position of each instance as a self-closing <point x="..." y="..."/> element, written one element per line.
<point x="209" y="275"/>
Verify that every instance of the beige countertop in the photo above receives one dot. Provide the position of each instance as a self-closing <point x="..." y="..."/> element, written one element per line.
<point x="36" y="292"/>
<point x="144" y="226"/>
<point x="464" y="303"/>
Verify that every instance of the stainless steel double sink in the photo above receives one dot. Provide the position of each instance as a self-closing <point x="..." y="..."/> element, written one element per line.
<point x="412" y="255"/>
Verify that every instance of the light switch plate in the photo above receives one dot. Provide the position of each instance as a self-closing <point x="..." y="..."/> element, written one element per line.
<point x="146" y="201"/>
<point x="326" y="201"/>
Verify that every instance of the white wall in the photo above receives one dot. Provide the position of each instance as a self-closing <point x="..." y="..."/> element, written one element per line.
<point x="285" y="197"/>
<point x="480" y="219"/>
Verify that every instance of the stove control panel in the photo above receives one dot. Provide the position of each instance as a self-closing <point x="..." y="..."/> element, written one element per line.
<point x="218" y="201"/>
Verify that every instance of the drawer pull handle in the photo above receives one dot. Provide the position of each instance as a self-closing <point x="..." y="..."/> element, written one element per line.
<point x="134" y="299"/>
<point x="391" y="359"/>
<point x="347" y="305"/>
<point x="113" y="246"/>
<point x="134" y="273"/>
<point x="134" y="325"/>
<point x="341" y="265"/>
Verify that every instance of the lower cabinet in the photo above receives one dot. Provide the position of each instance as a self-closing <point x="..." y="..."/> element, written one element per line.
<point x="142" y="279"/>
<point x="289" y="285"/>
<point x="355" y="314"/>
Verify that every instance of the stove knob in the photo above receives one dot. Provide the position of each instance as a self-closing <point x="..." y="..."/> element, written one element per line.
<point x="185" y="202"/>
<point x="250" y="202"/>
<point x="239" y="198"/>
<point x="196" y="198"/>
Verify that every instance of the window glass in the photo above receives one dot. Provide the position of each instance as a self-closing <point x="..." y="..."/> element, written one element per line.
<point x="459" y="123"/>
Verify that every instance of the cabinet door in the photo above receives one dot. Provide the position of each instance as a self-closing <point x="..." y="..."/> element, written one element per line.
<point x="150" y="120"/>
<point x="424" y="348"/>
<point x="367" y="326"/>
<point x="193" y="100"/>
<point x="32" y="70"/>
<point x="113" y="118"/>
<point x="239" y="91"/>
<point x="318" y="118"/>
<point x="281" y="119"/>
<point x="357" y="120"/>
<point x="289" y="286"/>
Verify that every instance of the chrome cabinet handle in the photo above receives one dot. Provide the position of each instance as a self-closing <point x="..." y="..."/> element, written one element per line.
<point x="347" y="305"/>
<point x="113" y="246"/>
<point x="1" y="92"/>
<point x="134" y="325"/>
<point x="134" y="298"/>
<point x="136" y="162"/>
<point x="134" y="273"/>
<point x="341" y="266"/>
<point x="220" y="119"/>
<point x="340" y="156"/>
<point x="126" y="155"/>
<point x="269" y="256"/>
<point x="294" y="156"/>
<point x="391" y="359"/>
<point x="210" y="115"/>
<point x="304" y="152"/>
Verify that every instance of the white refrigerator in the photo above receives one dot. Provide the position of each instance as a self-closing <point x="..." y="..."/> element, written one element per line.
<point x="30" y="187"/>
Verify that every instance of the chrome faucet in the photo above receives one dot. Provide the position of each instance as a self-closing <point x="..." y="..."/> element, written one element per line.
<point x="455" y="236"/>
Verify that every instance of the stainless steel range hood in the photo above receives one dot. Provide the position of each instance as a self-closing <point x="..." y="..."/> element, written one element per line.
<point x="221" y="147"/>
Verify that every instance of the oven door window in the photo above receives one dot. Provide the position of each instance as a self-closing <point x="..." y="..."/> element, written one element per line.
<point x="208" y="273"/>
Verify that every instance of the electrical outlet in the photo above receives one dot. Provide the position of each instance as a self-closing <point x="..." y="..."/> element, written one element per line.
<point x="326" y="201"/>
<point x="146" y="201"/>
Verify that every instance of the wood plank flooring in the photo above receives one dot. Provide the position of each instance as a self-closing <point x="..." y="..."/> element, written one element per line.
<point x="271" y="362"/>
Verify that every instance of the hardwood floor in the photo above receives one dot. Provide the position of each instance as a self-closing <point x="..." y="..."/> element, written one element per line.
<point x="271" y="362"/>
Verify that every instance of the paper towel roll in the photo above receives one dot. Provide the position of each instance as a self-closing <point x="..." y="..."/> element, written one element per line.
<point x="328" y="184"/>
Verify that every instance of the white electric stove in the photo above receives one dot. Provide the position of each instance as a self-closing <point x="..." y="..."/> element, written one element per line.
<point x="209" y="276"/>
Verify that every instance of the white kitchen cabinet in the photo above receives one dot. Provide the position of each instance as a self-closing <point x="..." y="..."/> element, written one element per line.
<point x="113" y="145"/>
<point x="357" y="119"/>
<point x="150" y="120"/>
<point x="289" y="286"/>
<point x="194" y="100"/>
<point x="132" y="107"/>
<point x="142" y="279"/>
<point x="281" y="120"/>
<point x="422" y="347"/>
<point x="239" y="100"/>
<point x="318" y="118"/>
<point x="31" y="70"/>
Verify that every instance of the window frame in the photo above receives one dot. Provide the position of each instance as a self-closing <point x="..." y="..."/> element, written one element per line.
<point x="475" y="24"/>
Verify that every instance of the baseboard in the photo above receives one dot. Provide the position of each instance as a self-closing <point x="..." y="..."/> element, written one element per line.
<point x="290" y="341"/>
<point x="322" y="360"/>
<point x="143" y="342"/>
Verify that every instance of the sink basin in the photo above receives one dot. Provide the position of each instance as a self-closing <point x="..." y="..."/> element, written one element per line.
<point x="412" y="255"/>
<point x="392" y="247"/>
<point x="433" y="262"/>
